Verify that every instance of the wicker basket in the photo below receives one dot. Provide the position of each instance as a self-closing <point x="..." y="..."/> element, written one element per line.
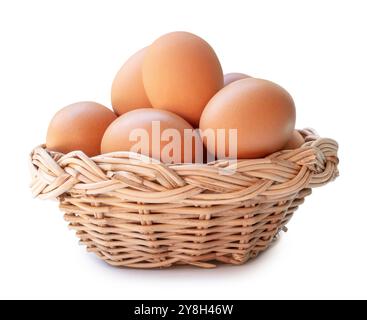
<point x="135" y="214"/>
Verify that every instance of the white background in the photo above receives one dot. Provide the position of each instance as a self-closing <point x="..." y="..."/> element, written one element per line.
<point x="53" y="53"/>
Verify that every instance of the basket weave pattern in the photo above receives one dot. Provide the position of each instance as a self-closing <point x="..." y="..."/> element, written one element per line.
<point x="148" y="215"/>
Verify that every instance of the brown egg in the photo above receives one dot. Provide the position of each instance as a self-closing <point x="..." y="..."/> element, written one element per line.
<point x="262" y="112"/>
<point x="295" y="141"/>
<point x="143" y="131"/>
<point x="232" y="77"/>
<point x="181" y="72"/>
<point x="79" y="126"/>
<point x="128" y="91"/>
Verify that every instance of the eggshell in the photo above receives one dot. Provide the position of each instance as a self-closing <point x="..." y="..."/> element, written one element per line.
<point x="232" y="77"/>
<point x="79" y="126"/>
<point x="295" y="141"/>
<point x="128" y="91"/>
<point x="118" y="136"/>
<point x="181" y="72"/>
<point x="262" y="112"/>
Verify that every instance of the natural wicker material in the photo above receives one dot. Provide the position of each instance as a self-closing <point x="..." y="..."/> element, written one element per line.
<point x="141" y="215"/>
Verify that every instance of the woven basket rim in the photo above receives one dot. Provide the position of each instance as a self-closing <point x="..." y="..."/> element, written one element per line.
<point x="312" y="157"/>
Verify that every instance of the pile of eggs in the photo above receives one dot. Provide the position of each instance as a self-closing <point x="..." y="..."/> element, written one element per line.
<point x="178" y="81"/>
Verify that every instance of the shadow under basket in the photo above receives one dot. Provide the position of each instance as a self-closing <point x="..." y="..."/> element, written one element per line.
<point x="149" y="215"/>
